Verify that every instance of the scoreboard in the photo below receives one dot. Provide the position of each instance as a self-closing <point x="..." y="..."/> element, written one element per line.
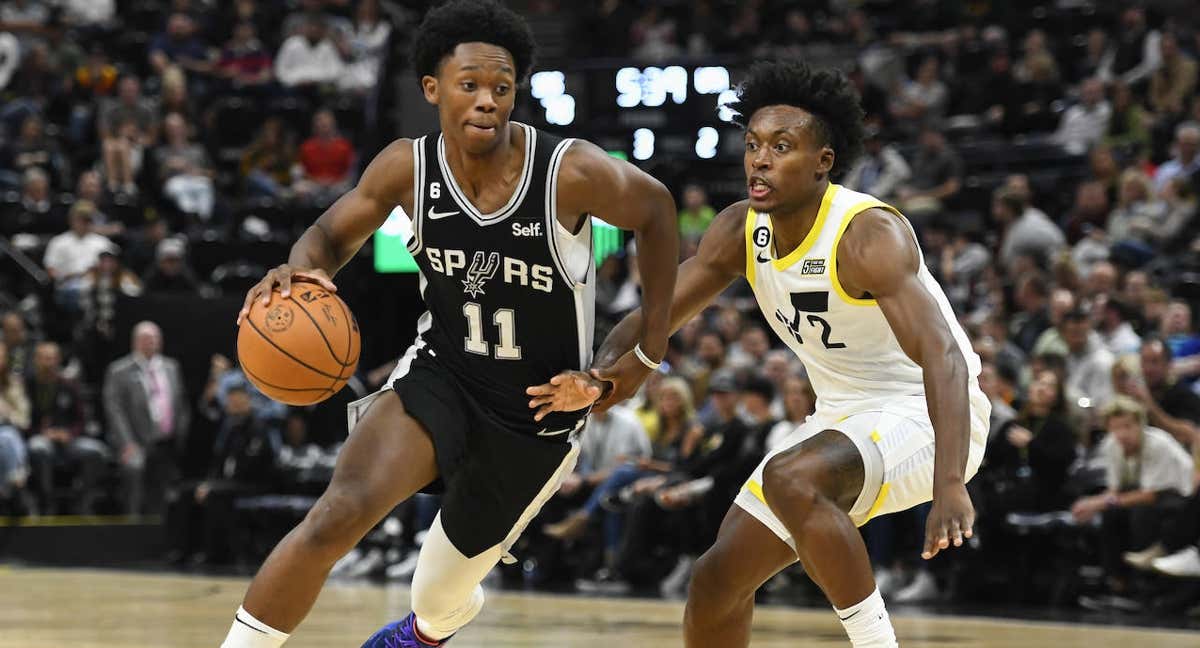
<point x="646" y="112"/>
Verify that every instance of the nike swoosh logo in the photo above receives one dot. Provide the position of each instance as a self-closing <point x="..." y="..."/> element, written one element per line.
<point x="761" y="258"/>
<point x="849" y="616"/>
<point x="544" y="432"/>
<point x="239" y="620"/>
<point x="434" y="215"/>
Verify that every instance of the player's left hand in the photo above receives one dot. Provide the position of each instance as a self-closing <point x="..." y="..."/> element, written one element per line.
<point x="569" y="391"/>
<point x="950" y="520"/>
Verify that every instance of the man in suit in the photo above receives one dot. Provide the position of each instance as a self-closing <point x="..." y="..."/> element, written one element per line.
<point x="148" y="417"/>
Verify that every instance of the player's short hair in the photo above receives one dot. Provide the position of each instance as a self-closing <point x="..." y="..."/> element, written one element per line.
<point x="471" y="21"/>
<point x="825" y="93"/>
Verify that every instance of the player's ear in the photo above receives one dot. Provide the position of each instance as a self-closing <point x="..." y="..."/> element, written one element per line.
<point x="825" y="161"/>
<point x="429" y="84"/>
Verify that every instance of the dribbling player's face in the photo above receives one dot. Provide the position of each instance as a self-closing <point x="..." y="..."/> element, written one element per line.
<point x="474" y="90"/>
<point x="784" y="162"/>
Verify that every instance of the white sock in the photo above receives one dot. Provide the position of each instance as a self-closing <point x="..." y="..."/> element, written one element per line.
<point x="248" y="632"/>
<point x="867" y="623"/>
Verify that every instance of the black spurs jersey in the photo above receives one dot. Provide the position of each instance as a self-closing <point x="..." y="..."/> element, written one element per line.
<point x="504" y="311"/>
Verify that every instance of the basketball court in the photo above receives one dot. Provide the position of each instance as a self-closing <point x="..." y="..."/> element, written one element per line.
<point x="54" y="608"/>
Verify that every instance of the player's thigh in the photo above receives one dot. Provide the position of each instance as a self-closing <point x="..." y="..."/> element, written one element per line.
<point x="745" y="555"/>
<point x="387" y="458"/>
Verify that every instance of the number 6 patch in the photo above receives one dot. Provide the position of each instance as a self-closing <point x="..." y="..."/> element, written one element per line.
<point x="762" y="236"/>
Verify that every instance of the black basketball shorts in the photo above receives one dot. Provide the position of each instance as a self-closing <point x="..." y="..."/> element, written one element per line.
<point x="494" y="479"/>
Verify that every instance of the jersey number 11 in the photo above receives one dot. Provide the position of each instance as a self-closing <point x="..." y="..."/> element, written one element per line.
<point x="504" y="319"/>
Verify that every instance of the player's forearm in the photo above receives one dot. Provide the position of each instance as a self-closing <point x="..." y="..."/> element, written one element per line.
<point x="658" y="262"/>
<point x="315" y="251"/>
<point x="950" y="413"/>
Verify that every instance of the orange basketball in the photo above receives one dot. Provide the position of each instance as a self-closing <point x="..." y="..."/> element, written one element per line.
<point x="302" y="349"/>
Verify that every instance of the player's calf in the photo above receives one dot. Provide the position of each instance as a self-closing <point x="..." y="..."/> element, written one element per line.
<point x="720" y="601"/>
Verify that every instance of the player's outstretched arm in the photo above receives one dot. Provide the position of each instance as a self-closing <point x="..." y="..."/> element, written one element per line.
<point x="338" y="233"/>
<point x="878" y="255"/>
<point x="720" y="259"/>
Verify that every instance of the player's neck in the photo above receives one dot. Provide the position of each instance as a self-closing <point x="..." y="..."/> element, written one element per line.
<point x="790" y="227"/>
<point x="473" y="171"/>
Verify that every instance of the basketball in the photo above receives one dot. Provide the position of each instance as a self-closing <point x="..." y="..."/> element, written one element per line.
<point x="300" y="349"/>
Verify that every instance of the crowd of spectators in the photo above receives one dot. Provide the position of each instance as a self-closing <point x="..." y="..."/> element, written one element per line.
<point x="1074" y="267"/>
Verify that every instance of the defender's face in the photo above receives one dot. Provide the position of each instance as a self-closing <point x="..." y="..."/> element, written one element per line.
<point x="783" y="160"/>
<point x="474" y="90"/>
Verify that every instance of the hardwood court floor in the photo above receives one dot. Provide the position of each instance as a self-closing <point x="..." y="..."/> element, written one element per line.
<point x="44" y="608"/>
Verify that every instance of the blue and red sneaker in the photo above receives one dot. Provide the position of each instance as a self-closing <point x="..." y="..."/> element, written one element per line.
<point x="401" y="634"/>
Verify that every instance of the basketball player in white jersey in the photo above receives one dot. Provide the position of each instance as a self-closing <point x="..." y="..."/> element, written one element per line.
<point x="900" y="418"/>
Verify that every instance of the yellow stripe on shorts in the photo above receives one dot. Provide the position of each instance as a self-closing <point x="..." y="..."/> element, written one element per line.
<point x="878" y="504"/>
<point x="755" y="489"/>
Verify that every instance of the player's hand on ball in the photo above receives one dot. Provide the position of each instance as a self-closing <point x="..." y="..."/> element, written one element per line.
<point x="569" y="391"/>
<point x="626" y="375"/>
<point x="282" y="276"/>
<point x="950" y="520"/>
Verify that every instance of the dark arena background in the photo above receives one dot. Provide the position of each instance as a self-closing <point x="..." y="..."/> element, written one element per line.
<point x="158" y="157"/>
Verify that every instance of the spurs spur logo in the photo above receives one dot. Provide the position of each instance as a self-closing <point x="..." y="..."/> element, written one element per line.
<point x="482" y="269"/>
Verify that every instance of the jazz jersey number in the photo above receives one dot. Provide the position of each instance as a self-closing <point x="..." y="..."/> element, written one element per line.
<point x="807" y="303"/>
<point x="504" y="319"/>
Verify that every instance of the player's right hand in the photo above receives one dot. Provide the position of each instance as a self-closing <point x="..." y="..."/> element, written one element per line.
<point x="282" y="276"/>
<point x="626" y="375"/>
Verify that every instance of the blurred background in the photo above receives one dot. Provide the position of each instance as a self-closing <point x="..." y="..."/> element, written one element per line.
<point x="156" y="158"/>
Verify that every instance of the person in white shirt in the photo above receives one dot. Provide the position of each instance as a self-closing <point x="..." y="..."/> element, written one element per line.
<point x="1089" y="364"/>
<point x="1085" y="123"/>
<point x="1187" y="156"/>
<point x="309" y="57"/>
<point x="71" y="254"/>
<point x="881" y="170"/>
<point x="1148" y="472"/>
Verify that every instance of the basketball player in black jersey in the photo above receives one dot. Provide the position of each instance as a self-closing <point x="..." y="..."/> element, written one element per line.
<point x="501" y="231"/>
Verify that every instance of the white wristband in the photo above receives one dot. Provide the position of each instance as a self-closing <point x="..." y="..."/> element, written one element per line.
<point x="641" y="355"/>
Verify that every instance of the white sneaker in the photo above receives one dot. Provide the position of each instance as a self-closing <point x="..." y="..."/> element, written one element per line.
<point x="923" y="588"/>
<point x="889" y="581"/>
<point x="370" y="562"/>
<point x="404" y="569"/>
<point x="1143" y="559"/>
<point x="1183" y="564"/>
<point x="675" y="584"/>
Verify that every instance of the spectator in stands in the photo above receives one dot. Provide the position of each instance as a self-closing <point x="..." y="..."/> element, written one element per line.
<point x="171" y="273"/>
<point x="1128" y="128"/>
<point x="129" y="104"/>
<point x="1136" y="53"/>
<point x="28" y="19"/>
<point x="1135" y="223"/>
<point x="59" y="446"/>
<point x="1062" y="301"/>
<point x="148" y="417"/>
<point x="245" y="63"/>
<point x="1027" y="461"/>
<point x="365" y="48"/>
<point x="124" y="153"/>
<point x="1187" y="156"/>
<point x="326" y="162"/>
<point x="174" y="97"/>
<point x="37" y="212"/>
<point x="611" y="439"/>
<point x="696" y="213"/>
<point x="244" y="462"/>
<point x="750" y="350"/>
<point x="309" y="58"/>
<point x="267" y="163"/>
<point x="307" y="10"/>
<point x="99" y="291"/>
<point x="1032" y="298"/>
<point x="70" y="255"/>
<point x="653" y="35"/>
<point x="1090" y="211"/>
<point x="921" y="102"/>
<point x="184" y="169"/>
<point x="180" y="45"/>
<point x="33" y="149"/>
<point x="1113" y="326"/>
<point x="1085" y="123"/>
<point x="1001" y="392"/>
<point x="937" y="177"/>
<point x="881" y="170"/>
<point x="89" y="14"/>
<point x="1148" y="475"/>
<point x="19" y="343"/>
<point x="90" y="187"/>
<point x="1103" y="168"/>
<point x="37" y="86"/>
<point x="799" y="402"/>
<point x="96" y="79"/>
<point x="14" y="418"/>
<point x="1173" y="83"/>
<point x="1170" y="405"/>
<point x="1089" y="364"/>
<point x="1095" y="54"/>
<point x="1027" y="232"/>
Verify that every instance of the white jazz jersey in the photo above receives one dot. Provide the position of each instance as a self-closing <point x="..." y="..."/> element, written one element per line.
<point x="867" y="388"/>
<point x="853" y="359"/>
